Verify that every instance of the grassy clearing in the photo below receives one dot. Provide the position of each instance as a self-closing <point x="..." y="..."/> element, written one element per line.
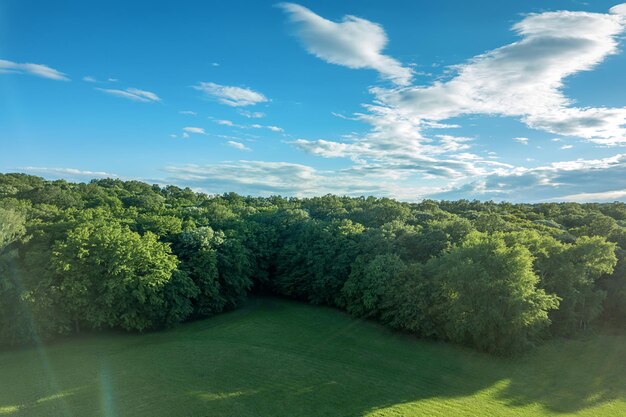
<point x="283" y="358"/>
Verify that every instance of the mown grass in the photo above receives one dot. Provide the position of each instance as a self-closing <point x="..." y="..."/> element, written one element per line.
<point x="283" y="358"/>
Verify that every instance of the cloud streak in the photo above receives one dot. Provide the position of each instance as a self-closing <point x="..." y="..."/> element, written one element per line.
<point x="194" y="130"/>
<point x="238" y="145"/>
<point x="230" y="95"/>
<point x="38" y="70"/>
<point x="67" y="173"/>
<point x="133" y="94"/>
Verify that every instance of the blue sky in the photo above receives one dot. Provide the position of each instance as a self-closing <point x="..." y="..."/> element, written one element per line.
<point x="518" y="101"/>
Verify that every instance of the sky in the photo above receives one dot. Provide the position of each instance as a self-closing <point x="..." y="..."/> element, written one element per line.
<point x="521" y="101"/>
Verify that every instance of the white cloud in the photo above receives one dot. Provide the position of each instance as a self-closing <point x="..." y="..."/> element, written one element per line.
<point x="230" y="123"/>
<point x="354" y="42"/>
<point x="620" y="9"/>
<point x="38" y="70"/>
<point x="195" y="130"/>
<point x="523" y="141"/>
<point x="607" y="196"/>
<point x="148" y="95"/>
<point x="272" y="128"/>
<point x="525" y="79"/>
<point x="600" y="125"/>
<point x="231" y="96"/>
<point x="567" y="147"/>
<point x="188" y="112"/>
<point x="449" y="143"/>
<point x="327" y="149"/>
<point x="342" y="116"/>
<point x="251" y="115"/>
<point x="92" y="79"/>
<point x="67" y="173"/>
<point x="563" y="181"/>
<point x="238" y="145"/>
<point x="396" y="143"/>
<point x="578" y="180"/>
<point x="271" y="178"/>
<point x="398" y="162"/>
<point x="247" y="177"/>
<point x="133" y="94"/>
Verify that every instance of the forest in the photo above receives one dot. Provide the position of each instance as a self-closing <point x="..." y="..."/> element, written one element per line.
<point x="113" y="254"/>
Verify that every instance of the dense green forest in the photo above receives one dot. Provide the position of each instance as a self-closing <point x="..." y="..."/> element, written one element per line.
<point x="133" y="256"/>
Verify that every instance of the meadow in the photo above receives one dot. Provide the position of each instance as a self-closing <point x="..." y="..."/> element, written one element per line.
<point x="276" y="357"/>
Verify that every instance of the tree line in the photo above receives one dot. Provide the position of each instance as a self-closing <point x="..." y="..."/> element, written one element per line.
<point x="499" y="277"/>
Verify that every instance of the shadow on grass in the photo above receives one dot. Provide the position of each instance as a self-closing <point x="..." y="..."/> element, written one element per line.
<point x="282" y="358"/>
<point x="571" y="375"/>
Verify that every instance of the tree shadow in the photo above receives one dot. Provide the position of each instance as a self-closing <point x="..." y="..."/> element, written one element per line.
<point x="283" y="358"/>
<point x="566" y="376"/>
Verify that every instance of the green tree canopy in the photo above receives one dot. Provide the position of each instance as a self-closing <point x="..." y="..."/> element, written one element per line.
<point x="111" y="276"/>
<point x="491" y="293"/>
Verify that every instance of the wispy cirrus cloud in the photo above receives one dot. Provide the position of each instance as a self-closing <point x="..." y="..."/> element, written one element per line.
<point x="67" y="173"/>
<point x="251" y="114"/>
<point x="194" y="130"/>
<point x="230" y="123"/>
<point x="269" y="127"/>
<point x="238" y="145"/>
<point x="188" y="131"/>
<point x="231" y="95"/>
<point x="133" y="94"/>
<point x="354" y="42"/>
<point x="38" y="70"/>
<point x="94" y="80"/>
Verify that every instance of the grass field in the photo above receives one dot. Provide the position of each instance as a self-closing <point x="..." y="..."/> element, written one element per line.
<point x="282" y="358"/>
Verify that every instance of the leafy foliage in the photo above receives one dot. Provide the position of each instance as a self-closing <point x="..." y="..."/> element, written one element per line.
<point x="134" y="256"/>
<point x="111" y="276"/>
<point x="491" y="295"/>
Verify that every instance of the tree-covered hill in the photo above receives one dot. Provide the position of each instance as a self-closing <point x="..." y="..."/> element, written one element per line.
<point x="134" y="256"/>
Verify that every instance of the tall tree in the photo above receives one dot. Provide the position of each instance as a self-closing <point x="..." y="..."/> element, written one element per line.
<point x="492" y="299"/>
<point x="111" y="276"/>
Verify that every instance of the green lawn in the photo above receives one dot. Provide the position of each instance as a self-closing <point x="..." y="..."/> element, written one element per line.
<point x="282" y="358"/>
